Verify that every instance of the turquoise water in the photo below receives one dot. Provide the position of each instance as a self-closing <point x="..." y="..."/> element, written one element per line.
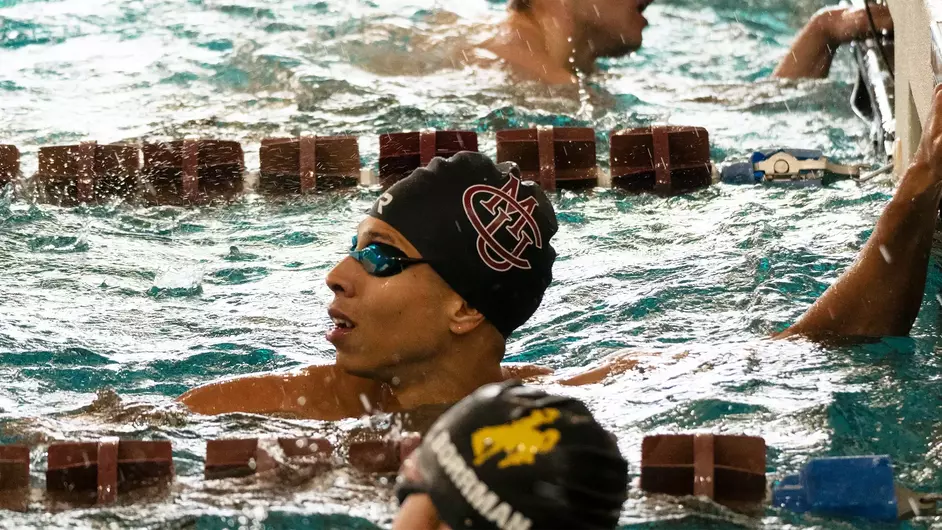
<point x="148" y="302"/>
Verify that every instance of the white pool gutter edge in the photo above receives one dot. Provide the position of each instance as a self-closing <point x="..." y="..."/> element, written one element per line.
<point x="918" y="65"/>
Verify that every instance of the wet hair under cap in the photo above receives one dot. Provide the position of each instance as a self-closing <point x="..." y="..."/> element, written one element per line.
<point x="511" y="457"/>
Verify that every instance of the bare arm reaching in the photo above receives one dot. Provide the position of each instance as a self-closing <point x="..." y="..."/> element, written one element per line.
<point x="880" y="294"/>
<point x="813" y="50"/>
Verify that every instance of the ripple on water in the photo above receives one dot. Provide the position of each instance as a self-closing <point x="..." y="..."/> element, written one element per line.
<point x="223" y="359"/>
<point x="62" y="244"/>
<point x="181" y="283"/>
<point x="239" y="276"/>
<point x="716" y="269"/>
<point x="295" y="239"/>
<point x="66" y="357"/>
<point x="701" y="413"/>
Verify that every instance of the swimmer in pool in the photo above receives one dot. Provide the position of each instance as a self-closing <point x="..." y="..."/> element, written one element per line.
<point x="454" y="258"/>
<point x="511" y="457"/>
<point x="550" y="40"/>
<point x="449" y="262"/>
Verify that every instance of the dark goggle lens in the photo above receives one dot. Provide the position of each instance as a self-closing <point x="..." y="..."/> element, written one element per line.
<point x="380" y="259"/>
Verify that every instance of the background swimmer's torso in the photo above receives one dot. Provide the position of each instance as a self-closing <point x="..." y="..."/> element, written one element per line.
<point x="153" y="301"/>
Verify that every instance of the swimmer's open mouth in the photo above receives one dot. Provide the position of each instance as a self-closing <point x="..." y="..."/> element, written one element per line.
<point x="643" y="4"/>
<point x="340" y="320"/>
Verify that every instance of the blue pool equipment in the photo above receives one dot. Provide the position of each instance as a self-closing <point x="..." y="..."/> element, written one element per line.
<point x="785" y="165"/>
<point x="856" y="486"/>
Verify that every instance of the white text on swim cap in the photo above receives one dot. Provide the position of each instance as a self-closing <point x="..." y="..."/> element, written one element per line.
<point x="384" y="200"/>
<point x="474" y="491"/>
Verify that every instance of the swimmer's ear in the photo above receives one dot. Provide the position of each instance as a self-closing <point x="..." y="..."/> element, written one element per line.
<point x="465" y="319"/>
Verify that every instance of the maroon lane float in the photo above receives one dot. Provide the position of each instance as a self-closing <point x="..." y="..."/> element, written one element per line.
<point x="9" y="164"/>
<point x="193" y="171"/>
<point x="727" y="469"/>
<point x="554" y="157"/>
<point x="244" y="457"/>
<point x="98" y="472"/>
<point x="232" y="458"/>
<point x="402" y="153"/>
<point x="667" y="160"/>
<point x="663" y="159"/>
<point x="382" y="456"/>
<point x="308" y="163"/>
<point x="14" y="477"/>
<point x="87" y="173"/>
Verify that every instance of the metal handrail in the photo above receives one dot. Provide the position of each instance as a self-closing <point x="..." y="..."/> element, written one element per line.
<point x="879" y="84"/>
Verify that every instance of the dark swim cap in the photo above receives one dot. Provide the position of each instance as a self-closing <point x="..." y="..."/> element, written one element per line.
<point x="482" y="229"/>
<point x="510" y="457"/>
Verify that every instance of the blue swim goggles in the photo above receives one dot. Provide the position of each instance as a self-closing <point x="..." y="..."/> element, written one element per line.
<point x="381" y="259"/>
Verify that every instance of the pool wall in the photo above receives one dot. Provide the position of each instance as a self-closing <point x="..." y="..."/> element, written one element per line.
<point x="915" y="21"/>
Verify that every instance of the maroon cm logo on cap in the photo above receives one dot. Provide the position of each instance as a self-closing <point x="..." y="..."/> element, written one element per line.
<point x="494" y="210"/>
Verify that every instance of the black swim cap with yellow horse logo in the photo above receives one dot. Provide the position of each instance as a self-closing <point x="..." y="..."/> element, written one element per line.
<point x="482" y="229"/>
<point x="510" y="457"/>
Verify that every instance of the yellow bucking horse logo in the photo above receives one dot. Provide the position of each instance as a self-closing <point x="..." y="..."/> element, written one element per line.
<point x="520" y="441"/>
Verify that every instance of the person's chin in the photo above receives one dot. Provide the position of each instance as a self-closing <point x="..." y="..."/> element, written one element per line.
<point x="621" y="49"/>
<point x="353" y="364"/>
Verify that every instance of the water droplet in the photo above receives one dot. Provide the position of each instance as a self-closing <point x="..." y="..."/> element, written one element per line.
<point x="886" y="254"/>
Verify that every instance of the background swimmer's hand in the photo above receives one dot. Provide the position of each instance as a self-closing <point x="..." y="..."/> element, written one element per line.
<point x="847" y="24"/>
<point x="813" y="50"/>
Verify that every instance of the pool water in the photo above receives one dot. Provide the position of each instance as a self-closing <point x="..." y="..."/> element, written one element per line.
<point x="109" y="312"/>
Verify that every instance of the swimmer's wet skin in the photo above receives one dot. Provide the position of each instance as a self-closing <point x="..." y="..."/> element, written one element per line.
<point x="509" y="457"/>
<point x="551" y="40"/>
<point x="436" y="331"/>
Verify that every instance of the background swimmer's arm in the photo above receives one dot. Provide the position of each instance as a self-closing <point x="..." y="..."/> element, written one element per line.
<point x="614" y="364"/>
<point x="813" y="50"/>
<point x="880" y="294"/>
<point x="598" y="374"/>
<point x="524" y="371"/>
<point x="316" y="392"/>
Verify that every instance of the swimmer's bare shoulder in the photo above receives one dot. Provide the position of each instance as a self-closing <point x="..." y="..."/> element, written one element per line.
<point x="322" y="392"/>
<point x="497" y="50"/>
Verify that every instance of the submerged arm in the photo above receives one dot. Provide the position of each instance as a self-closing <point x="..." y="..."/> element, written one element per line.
<point x="880" y="294"/>
<point x="813" y="50"/>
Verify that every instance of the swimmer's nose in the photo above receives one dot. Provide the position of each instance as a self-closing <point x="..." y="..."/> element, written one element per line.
<point x="340" y="278"/>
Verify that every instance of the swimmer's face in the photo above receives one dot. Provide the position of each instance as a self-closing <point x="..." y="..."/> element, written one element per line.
<point x="384" y="323"/>
<point x="613" y="27"/>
